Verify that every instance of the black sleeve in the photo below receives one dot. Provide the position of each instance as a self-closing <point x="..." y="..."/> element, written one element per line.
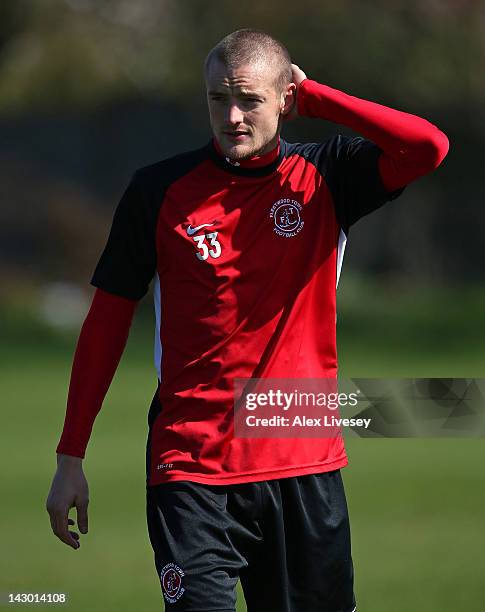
<point x="353" y="177"/>
<point x="128" y="262"/>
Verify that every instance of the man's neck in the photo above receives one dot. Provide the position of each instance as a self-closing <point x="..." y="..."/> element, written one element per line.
<point x="257" y="161"/>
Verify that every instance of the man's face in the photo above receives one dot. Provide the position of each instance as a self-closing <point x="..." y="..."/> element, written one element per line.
<point x="245" y="108"/>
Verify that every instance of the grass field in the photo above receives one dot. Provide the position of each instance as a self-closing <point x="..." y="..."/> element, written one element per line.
<point x="417" y="506"/>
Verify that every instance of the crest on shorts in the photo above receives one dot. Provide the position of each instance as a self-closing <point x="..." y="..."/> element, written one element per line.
<point x="171" y="579"/>
<point x="286" y="215"/>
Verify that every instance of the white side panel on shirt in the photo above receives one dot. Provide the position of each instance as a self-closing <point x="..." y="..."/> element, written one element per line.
<point x="158" y="344"/>
<point x="342" y="241"/>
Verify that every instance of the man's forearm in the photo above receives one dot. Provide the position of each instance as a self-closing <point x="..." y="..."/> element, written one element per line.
<point x="100" y="346"/>
<point x="412" y="145"/>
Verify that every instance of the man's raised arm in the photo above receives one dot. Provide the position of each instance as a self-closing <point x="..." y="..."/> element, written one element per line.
<point x="411" y="145"/>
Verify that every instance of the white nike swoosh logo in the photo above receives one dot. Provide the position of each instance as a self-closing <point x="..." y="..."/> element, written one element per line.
<point x="191" y="230"/>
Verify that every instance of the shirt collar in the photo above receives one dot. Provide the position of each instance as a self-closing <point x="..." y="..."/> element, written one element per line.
<point x="259" y="165"/>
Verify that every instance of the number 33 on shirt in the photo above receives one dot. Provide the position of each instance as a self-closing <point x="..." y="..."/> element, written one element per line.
<point x="203" y="247"/>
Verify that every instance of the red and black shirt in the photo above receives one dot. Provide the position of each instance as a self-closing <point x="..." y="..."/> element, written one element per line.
<point x="245" y="260"/>
<point x="245" y="263"/>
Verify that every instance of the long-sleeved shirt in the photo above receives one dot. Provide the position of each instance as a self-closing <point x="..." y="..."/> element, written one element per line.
<point x="245" y="260"/>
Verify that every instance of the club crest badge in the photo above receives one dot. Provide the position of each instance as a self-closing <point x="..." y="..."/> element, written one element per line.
<point x="286" y="215"/>
<point x="171" y="579"/>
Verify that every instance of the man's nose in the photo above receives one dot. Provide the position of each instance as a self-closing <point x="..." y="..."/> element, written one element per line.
<point x="234" y="114"/>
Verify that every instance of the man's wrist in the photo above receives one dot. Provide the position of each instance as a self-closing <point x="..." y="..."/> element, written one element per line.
<point x="68" y="461"/>
<point x="301" y="94"/>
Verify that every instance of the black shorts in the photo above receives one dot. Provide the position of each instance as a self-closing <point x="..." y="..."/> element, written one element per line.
<point x="288" y="540"/>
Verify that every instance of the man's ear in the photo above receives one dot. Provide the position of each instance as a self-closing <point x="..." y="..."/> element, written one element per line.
<point x="288" y="99"/>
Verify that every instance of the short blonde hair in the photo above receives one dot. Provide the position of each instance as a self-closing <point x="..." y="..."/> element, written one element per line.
<point x="248" y="46"/>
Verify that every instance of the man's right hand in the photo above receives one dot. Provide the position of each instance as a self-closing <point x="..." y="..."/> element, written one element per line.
<point x="69" y="489"/>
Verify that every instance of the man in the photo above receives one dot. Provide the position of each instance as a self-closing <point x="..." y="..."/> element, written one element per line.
<point x="244" y="238"/>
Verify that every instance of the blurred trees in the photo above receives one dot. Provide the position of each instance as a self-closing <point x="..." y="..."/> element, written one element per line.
<point x="81" y="52"/>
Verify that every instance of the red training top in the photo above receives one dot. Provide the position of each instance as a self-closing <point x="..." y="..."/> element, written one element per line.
<point x="245" y="259"/>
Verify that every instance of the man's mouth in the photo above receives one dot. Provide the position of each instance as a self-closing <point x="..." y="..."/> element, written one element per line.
<point x="237" y="135"/>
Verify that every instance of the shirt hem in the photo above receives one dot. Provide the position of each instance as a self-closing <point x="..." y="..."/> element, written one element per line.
<point x="250" y="477"/>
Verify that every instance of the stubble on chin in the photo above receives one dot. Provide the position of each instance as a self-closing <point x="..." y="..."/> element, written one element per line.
<point x="242" y="152"/>
<point x="239" y="152"/>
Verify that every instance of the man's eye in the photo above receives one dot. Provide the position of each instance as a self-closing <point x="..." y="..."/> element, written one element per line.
<point x="251" y="102"/>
